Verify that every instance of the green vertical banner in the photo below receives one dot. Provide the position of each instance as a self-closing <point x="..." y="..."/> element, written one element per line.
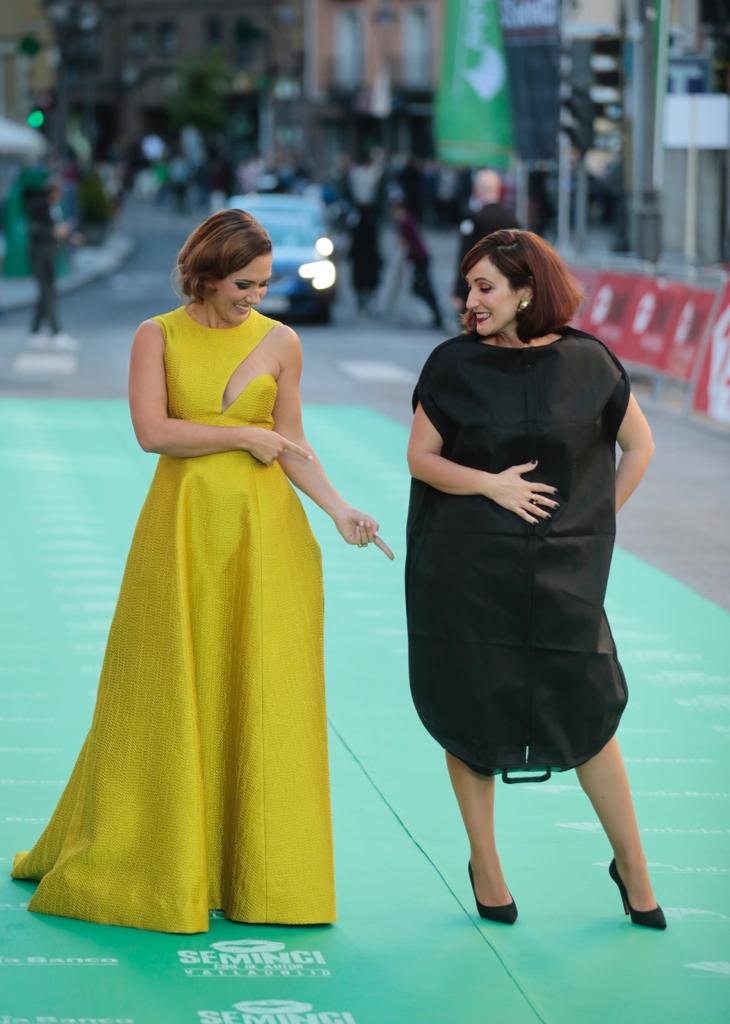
<point x="473" y="118"/>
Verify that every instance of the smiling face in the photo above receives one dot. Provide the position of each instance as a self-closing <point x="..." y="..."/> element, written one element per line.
<point x="232" y="297"/>
<point x="492" y="300"/>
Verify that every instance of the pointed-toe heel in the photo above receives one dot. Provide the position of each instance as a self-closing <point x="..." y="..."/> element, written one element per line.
<point x="646" y="918"/>
<point x="504" y="914"/>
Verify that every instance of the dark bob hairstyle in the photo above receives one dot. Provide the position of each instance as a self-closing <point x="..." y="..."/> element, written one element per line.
<point x="224" y="243"/>
<point x="528" y="262"/>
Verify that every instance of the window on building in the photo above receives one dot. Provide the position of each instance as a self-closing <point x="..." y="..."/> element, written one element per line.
<point x="167" y="38"/>
<point x="139" y="39"/>
<point x="349" y="43"/>
<point x="246" y="35"/>
<point x="213" y="31"/>
<point x="417" y="46"/>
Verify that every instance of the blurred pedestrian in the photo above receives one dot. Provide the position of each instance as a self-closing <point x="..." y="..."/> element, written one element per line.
<point x="365" y="191"/>
<point x="446" y="200"/>
<point x="511" y="526"/>
<point x="431" y="174"/>
<point x="220" y="181"/>
<point x="485" y="213"/>
<point x="412" y="185"/>
<point x="161" y="180"/>
<point x="46" y="228"/>
<point x="180" y="176"/>
<point x="417" y="254"/>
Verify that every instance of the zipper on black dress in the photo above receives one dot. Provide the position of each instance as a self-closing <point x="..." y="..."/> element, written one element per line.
<point x="529" y="410"/>
<point x="528" y="646"/>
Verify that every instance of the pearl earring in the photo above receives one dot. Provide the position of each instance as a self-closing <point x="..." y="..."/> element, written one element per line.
<point x="522" y="305"/>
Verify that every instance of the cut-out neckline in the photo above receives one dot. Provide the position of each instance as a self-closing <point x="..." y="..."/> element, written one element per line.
<point x="244" y="389"/>
<point x="225" y="406"/>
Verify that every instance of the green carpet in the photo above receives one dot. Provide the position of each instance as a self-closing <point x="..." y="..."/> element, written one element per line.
<point x="407" y="948"/>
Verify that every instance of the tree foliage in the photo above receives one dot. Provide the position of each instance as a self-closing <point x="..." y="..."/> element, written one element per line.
<point x="200" y="100"/>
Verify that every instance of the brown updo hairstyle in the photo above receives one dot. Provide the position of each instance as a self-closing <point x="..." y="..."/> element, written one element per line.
<point x="221" y="245"/>
<point x="528" y="261"/>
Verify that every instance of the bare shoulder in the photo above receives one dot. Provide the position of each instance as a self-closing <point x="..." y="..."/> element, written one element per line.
<point x="286" y="344"/>
<point x="149" y="334"/>
<point x="284" y="336"/>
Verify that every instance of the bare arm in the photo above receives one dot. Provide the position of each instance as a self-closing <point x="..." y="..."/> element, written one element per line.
<point x="507" y="489"/>
<point x="637" y="447"/>
<point x="427" y="464"/>
<point x="159" y="432"/>
<point x="309" y="476"/>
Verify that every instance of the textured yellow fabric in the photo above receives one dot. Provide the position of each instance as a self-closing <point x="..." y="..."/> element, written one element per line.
<point x="203" y="782"/>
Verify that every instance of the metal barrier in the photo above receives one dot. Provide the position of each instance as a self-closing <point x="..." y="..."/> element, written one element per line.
<point x="669" y="323"/>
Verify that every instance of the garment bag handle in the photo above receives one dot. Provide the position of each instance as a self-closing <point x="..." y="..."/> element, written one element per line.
<point x="525" y="776"/>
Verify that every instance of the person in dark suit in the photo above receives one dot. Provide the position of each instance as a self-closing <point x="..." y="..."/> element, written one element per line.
<point x="46" y="230"/>
<point x="486" y="213"/>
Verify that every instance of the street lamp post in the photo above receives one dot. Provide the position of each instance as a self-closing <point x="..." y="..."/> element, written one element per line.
<point x="646" y="206"/>
<point x="70" y="19"/>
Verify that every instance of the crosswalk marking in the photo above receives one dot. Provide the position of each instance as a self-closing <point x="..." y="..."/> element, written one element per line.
<point x="376" y="372"/>
<point x="46" y="364"/>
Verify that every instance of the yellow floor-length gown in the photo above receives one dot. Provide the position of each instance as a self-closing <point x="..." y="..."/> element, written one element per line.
<point x="203" y="782"/>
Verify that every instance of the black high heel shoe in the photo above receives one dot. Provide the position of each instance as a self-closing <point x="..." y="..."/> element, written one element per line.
<point x="505" y="914"/>
<point x="647" y="918"/>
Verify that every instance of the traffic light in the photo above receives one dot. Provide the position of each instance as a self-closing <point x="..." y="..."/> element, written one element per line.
<point x="577" y="109"/>
<point x="29" y="45"/>
<point x="42" y="108"/>
<point x="607" y="87"/>
<point x="36" y="118"/>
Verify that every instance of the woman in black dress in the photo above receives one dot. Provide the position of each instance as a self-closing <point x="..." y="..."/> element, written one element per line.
<point x="510" y="534"/>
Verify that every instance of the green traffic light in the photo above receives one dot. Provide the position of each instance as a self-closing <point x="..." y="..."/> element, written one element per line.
<point x="36" y="119"/>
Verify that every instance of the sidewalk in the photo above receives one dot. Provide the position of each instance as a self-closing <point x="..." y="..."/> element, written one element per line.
<point x="87" y="263"/>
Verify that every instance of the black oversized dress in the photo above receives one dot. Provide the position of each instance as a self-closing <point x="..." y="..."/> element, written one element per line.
<point x="512" y="664"/>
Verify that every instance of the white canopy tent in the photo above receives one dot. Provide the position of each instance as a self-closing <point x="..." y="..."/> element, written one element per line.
<point x="19" y="140"/>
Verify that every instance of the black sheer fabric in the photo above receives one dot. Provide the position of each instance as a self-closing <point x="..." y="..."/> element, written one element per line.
<point x="512" y="662"/>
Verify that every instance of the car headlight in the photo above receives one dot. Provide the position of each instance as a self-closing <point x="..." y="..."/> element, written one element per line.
<point x="321" y="273"/>
<point x="324" y="246"/>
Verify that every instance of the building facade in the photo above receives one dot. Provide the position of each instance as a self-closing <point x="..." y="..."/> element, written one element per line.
<point x="371" y="74"/>
<point x="144" y="46"/>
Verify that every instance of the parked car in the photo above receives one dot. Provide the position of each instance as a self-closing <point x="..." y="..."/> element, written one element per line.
<point x="304" y="273"/>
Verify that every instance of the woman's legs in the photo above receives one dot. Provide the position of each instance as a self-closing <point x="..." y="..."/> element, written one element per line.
<point x="604" y="780"/>
<point x="43" y="265"/>
<point x="475" y="795"/>
<point x="423" y="288"/>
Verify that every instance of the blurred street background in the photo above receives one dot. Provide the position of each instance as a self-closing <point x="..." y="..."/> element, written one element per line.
<point x="601" y="124"/>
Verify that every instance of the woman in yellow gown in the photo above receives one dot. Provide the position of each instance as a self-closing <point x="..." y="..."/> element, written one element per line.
<point x="203" y="782"/>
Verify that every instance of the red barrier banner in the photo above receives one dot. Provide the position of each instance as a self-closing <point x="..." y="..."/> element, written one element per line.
<point x="648" y="321"/>
<point x="606" y="315"/>
<point x="653" y="307"/>
<point x="712" y="395"/>
<point x="685" y="330"/>
<point x="588" y="281"/>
